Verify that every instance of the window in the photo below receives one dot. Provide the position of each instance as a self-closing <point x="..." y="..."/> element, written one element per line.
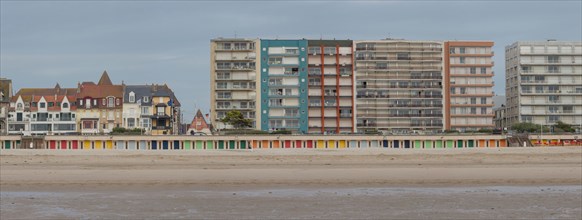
<point x="526" y="69"/>
<point x="314" y="82"/>
<point x="483" y="70"/>
<point x="473" y="110"/>
<point x="146" y="99"/>
<point x="329" y="50"/>
<point x="276" y="123"/>
<point x="526" y="118"/>
<point x="291" y="112"/>
<point x="553" y="59"/>
<point x="554" y="99"/>
<point x="275" y="60"/>
<point x="568" y="109"/>
<point x="273" y="82"/>
<point x="553" y="109"/>
<point x="117" y="101"/>
<point x="292" y="51"/>
<point x="540" y="78"/>
<point x="453" y="90"/>
<point x="483" y="110"/>
<point x="224" y="95"/>
<point x="131" y="97"/>
<point x="403" y="56"/>
<point x="110" y="102"/>
<point x="553" y="89"/>
<point x="224" y="46"/>
<point x="221" y="85"/>
<point x="473" y="100"/>
<point x="43" y="105"/>
<point x="104" y="102"/>
<point x="452" y="50"/>
<point x="462" y="60"/>
<point x="145" y="123"/>
<point x="463" y="90"/>
<point x="81" y="102"/>
<point x="462" y="50"/>
<point x="65" y="105"/>
<point x="314" y="71"/>
<point x="483" y="100"/>
<point x="473" y="70"/>
<point x="51" y="104"/>
<point x="314" y="50"/>
<point x="222" y="75"/>
<point x="161" y="111"/>
<point x="222" y="105"/>
<point x="160" y="99"/>
<point x="381" y="65"/>
<point x="553" y="69"/>
<point x="275" y="102"/>
<point x="145" y="110"/>
<point x="131" y="122"/>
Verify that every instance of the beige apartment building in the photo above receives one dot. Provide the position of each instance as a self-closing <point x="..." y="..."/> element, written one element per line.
<point x="399" y="86"/>
<point x="544" y="82"/>
<point x="468" y="85"/>
<point x="234" y="79"/>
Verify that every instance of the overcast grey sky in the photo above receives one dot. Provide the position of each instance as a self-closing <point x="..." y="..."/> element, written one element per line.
<point x="45" y="42"/>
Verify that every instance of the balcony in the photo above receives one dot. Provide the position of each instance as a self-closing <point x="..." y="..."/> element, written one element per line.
<point x="160" y="115"/>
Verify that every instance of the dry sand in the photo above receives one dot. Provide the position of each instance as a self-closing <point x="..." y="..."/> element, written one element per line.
<point x="301" y="183"/>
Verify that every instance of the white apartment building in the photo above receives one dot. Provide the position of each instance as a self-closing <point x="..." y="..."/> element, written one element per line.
<point x="544" y="82"/>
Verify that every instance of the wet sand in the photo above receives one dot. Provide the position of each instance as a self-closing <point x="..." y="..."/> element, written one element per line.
<point x="306" y="184"/>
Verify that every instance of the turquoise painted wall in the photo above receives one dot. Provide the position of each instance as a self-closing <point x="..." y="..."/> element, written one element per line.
<point x="302" y="79"/>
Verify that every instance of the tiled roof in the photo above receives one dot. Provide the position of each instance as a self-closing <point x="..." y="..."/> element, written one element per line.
<point x="100" y="91"/>
<point x="105" y="79"/>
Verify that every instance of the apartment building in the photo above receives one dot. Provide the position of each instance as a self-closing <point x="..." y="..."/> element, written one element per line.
<point x="233" y="79"/>
<point x="331" y="86"/>
<point x="5" y="96"/>
<point x="544" y="82"/>
<point x="283" y="85"/>
<point x="43" y="111"/>
<point x="468" y="85"/>
<point x="399" y="85"/>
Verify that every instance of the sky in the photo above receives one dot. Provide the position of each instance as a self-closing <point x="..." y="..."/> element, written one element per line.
<point x="47" y="42"/>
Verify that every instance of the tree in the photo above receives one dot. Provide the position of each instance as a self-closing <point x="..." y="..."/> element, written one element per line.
<point x="236" y="119"/>
<point x="525" y="126"/>
<point x="564" y="126"/>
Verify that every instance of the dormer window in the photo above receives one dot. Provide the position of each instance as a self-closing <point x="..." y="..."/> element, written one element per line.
<point x="146" y="99"/>
<point x="42" y="104"/>
<point x="131" y="97"/>
<point x="117" y="101"/>
<point x="103" y="102"/>
<point x="110" y="102"/>
<point x="19" y="106"/>
<point x="65" y="105"/>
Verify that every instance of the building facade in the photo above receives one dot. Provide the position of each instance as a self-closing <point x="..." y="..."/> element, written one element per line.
<point x="468" y="85"/>
<point x="99" y="106"/>
<point x="544" y="82"/>
<point x="284" y="85"/>
<point x="5" y="96"/>
<point x="234" y="79"/>
<point x="331" y="87"/>
<point x="399" y="86"/>
<point x="43" y="111"/>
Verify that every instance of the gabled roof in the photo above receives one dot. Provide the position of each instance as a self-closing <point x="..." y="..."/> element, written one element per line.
<point x="100" y="91"/>
<point x="105" y="79"/>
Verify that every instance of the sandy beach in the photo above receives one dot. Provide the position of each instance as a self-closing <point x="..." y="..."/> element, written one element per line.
<point x="305" y="184"/>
